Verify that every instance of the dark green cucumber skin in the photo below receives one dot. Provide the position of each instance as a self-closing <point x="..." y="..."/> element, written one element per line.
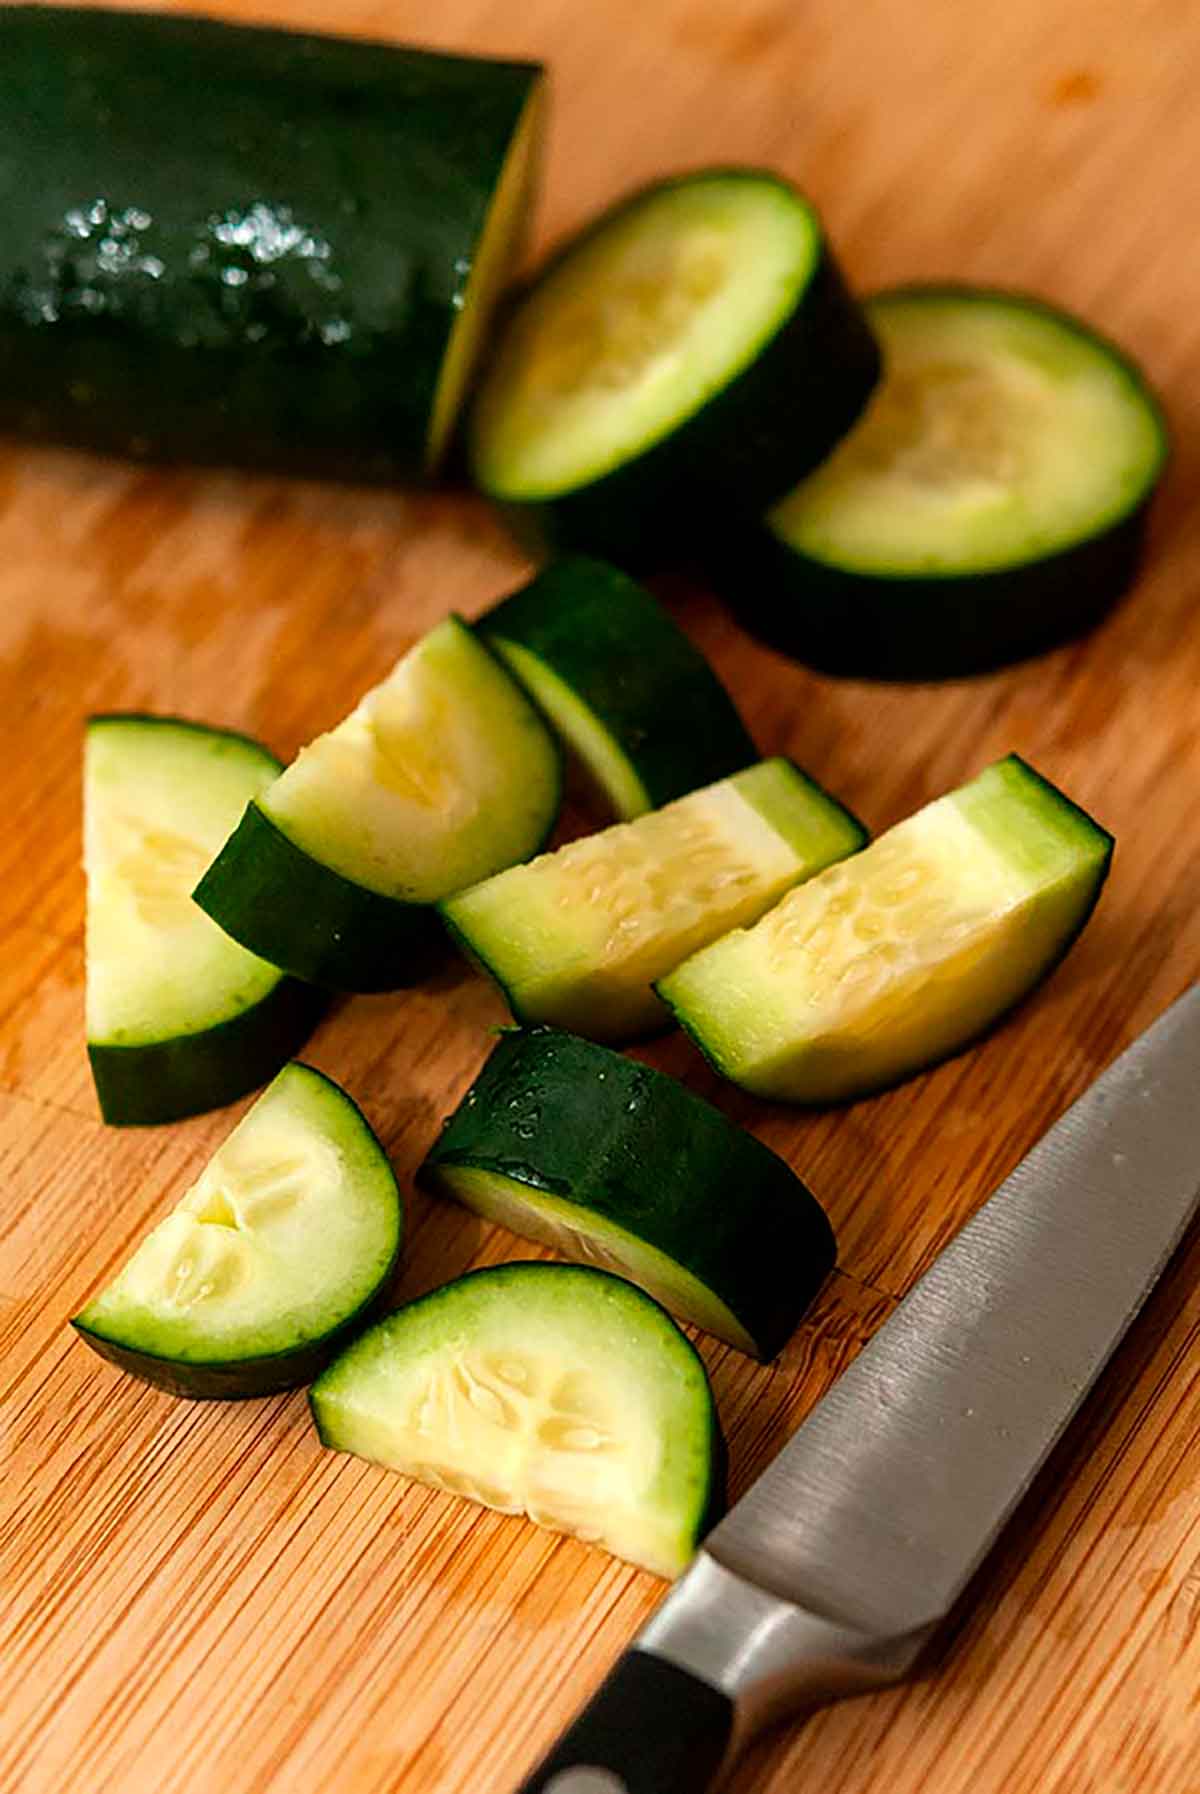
<point x="248" y="1378"/>
<point x="162" y="340"/>
<point x="868" y="626"/>
<point x="736" y="455"/>
<point x="629" y="663"/>
<point x="563" y="1115"/>
<point x="301" y="915"/>
<point x="166" y="1080"/>
<point x="510" y="1273"/>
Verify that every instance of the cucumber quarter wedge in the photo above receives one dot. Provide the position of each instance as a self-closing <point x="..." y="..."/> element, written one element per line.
<point x="552" y="1391"/>
<point x="578" y="936"/>
<point x="443" y="774"/>
<point x="692" y="353"/>
<point x="620" y="1166"/>
<point x="269" y="1262"/>
<point x="300" y="279"/>
<point x="638" y="704"/>
<point x="990" y="504"/>
<point x="890" y="963"/>
<point x="179" y="1017"/>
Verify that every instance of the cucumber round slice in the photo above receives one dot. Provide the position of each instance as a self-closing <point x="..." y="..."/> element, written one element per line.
<point x="613" y="1163"/>
<point x="990" y="504"/>
<point x="443" y="774"/>
<point x="552" y="1391"/>
<point x="301" y="280"/>
<point x="179" y="1017"/>
<point x="270" y="1261"/>
<point x="624" y="687"/>
<point x="578" y="936"/>
<point x="885" y="965"/>
<point x="694" y="347"/>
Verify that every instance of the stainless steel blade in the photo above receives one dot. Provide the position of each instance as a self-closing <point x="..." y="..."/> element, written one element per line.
<point x="891" y="1492"/>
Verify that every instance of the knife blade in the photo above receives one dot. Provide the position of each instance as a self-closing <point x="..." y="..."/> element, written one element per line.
<point x="833" y="1570"/>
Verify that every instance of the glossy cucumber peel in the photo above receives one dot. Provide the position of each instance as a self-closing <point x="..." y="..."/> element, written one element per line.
<point x="991" y="503"/>
<point x="883" y="966"/>
<point x="443" y="774"/>
<point x="179" y="1017"/>
<point x="296" y="281"/>
<point x="271" y="1260"/>
<point x="621" y="683"/>
<point x="577" y="937"/>
<point x="554" y="1391"/>
<point x="616" y="1164"/>
<point x="686" y="358"/>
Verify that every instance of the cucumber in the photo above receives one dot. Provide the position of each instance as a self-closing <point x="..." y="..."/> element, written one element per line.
<point x="641" y="708"/>
<point x="271" y="1260"/>
<point x="179" y="1017"/>
<point x="250" y="245"/>
<point x="991" y="504"/>
<point x="552" y="1391"/>
<point x="578" y="936"/>
<point x="691" y="354"/>
<point x="888" y="964"/>
<point x="613" y="1163"/>
<point x="443" y="774"/>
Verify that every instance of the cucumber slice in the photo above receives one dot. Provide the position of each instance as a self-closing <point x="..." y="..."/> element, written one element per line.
<point x="618" y="1165"/>
<point x="639" y="705"/>
<point x="299" y="280"/>
<point x="547" y="1390"/>
<point x="179" y="1017"/>
<point x="990" y="504"/>
<point x="578" y="936"/>
<point x="695" y="345"/>
<point x="884" y="966"/>
<point x="270" y="1261"/>
<point x="442" y="774"/>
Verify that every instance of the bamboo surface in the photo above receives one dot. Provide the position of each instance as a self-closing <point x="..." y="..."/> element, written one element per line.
<point x="197" y="1597"/>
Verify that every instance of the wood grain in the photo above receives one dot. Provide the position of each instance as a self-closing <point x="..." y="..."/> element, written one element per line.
<point x="200" y="1598"/>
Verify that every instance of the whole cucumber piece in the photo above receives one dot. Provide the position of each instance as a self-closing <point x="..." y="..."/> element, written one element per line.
<point x="224" y="244"/>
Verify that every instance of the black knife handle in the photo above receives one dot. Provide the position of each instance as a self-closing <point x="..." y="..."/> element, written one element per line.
<point x="651" y="1728"/>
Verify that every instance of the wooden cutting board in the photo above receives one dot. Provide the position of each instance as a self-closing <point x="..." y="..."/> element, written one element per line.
<point x="198" y="1597"/>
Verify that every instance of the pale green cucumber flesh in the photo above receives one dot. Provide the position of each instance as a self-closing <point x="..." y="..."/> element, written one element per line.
<point x="633" y="331"/>
<point x="553" y="1391"/>
<point x="289" y="1232"/>
<point x="180" y="1018"/>
<point x="590" y="1238"/>
<point x="577" y="937"/>
<point x="1002" y="433"/>
<point x="442" y="774"/>
<point x="891" y="962"/>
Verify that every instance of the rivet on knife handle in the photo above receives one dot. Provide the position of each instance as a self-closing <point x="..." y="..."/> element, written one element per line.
<point x="651" y="1728"/>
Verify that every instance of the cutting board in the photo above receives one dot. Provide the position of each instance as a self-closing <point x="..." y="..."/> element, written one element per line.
<point x="198" y="1597"/>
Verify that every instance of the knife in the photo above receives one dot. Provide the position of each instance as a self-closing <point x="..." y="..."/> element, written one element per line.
<point x="832" y="1572"/>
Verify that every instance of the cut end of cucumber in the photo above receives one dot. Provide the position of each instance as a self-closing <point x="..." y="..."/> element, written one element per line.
<point x="1003" y="432"/>
<point x="581" y="1234"/>
<point x="443" y="773"/>
<point x="546" y="1390"/>
<point x="631" y="332"/>
<point x="577" y="937"/>
<point x="499" y="245"/>
<point x="889" y="962"/>
<point x="287" y="1235"/>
